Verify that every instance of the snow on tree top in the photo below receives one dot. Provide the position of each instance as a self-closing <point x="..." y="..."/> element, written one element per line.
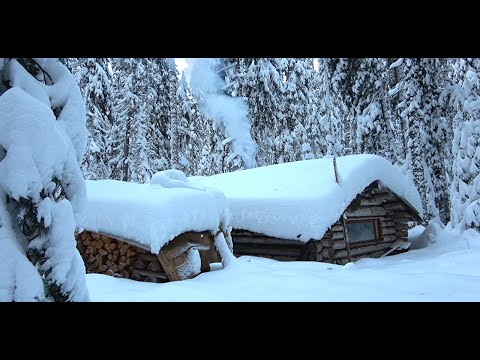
<point x="153" y="214"/>
<point x="301" y="200"/>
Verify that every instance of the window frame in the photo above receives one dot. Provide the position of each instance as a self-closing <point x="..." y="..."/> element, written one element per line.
<point x="377" y="225"/>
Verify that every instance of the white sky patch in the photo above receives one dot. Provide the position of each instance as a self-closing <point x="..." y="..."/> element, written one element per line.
<point x="182" y="64"/>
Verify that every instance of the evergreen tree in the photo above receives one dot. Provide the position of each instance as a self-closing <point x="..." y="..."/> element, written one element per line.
<point x="127" y="151"/>
<point x="373" y="126"/>
<point x="94" y="80"/>
<point x="330" y="109"/>
<point x="42" y="122"/>
<point x="265" y="102"/>
<point x="163" y="135"/>
<point x="188" y="142"/>
<point x="421" y="88"/>
<point x="465" y="187"/>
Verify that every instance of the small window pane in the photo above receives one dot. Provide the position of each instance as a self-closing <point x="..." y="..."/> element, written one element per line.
<point x="361" y="231"/>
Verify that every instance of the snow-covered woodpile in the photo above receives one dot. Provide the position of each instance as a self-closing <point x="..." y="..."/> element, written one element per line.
<point x="320" y="210"/>
<point x="178" y="260"/>
<point x="166" y="230"/>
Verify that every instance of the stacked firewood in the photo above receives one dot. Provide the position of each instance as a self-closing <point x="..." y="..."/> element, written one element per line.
<point x="105" y="255"/>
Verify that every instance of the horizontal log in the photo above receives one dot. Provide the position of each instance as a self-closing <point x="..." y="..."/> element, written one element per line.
<point x="401" y="219"/>
<point x="401" y="226"/>
<point x="373" y="255"/>
<point x="314" y="247"/>
<point x="387" y="223"/>
<point x="338" y="236"/>
<point x="388" y="230"/>
<point x="315" y="257"/>
<point x="402" y="214"/>
<point x="327" y="242"/>
<point x="369" y="211"/>
<point x="147" y="257"/>
<point x="155" y="274"/>
<point x="337" y="228"/>
<point x="265" y="240"/>
<point x="246" y="233"/>
<point x="284" y="258"/>
<point x="389" y="238"/>
<point x="267" y="251"/>
<point x="362" y="250"/>
<point x="395" y="206"/>
<point x="374" y="201"/>
<point x="339" y="245"/>
<point x="402" y="233"/>
<point x="136" y="277"/>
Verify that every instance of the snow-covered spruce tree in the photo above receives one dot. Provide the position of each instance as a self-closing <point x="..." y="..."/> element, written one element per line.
<point x="94" y="80"/>
<point x="211" y="158"/>
<point x="465" y="187"/>
<point x="127" y="150"/>
<point x="330" y="110"/>
<point x="299" y="109"/>
<point x="391" y="79"/>
<point x="163" y="133"/>
<point x="314" y="146"/>
<point x="188" y="142"/>
<point x="373" y="128"/>
<point x="42" y="190"/>
<point x="420" y="88"/>
<point x="439" y="126"/>
<point x="342" y="75"/>
<point x="265" y="102"/>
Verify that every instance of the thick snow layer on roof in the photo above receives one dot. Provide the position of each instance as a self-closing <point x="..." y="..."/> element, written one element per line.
<point x="153" y="214"/>
<point x="301" y="200"/>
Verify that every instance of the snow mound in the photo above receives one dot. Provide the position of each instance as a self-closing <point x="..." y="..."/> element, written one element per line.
<point x="301" y="200"/>
<point x="153" y="214"/>
<point x="173" y="179"/>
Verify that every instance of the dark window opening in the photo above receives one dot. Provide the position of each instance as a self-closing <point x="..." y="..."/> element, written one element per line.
<point x="363" y="230"/>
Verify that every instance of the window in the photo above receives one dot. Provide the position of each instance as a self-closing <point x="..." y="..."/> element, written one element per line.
<point x="363" y="230"/>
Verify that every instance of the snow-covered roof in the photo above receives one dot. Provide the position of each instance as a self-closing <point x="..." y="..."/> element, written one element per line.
<point x="153" y="214"/>
<point x="303" y="198"/>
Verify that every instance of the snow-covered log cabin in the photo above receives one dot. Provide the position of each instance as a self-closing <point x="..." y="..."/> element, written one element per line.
<point x="332" y="210"/>
<point x="166" y="230"/>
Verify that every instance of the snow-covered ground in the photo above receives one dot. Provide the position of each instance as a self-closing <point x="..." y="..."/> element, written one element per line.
<point x="446" y="270"/>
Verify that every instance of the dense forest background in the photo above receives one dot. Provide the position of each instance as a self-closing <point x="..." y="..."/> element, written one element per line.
<point x="422" y="114"/>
